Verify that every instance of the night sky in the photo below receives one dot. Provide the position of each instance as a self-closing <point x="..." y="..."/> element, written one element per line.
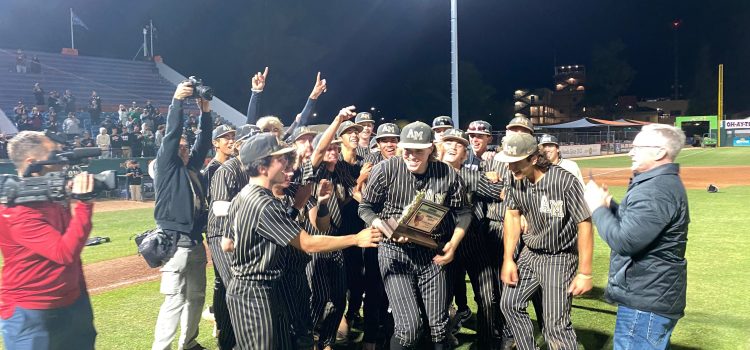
<point x="395" y="55"/>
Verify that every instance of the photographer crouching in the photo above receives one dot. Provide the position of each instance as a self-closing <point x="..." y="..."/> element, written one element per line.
<point x="43" y="299"/>
<point x="181" y="213"/>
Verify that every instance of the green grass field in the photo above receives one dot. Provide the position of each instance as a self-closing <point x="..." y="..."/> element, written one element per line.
<point x="705" y="157"/>
<point x="119" y="226"/>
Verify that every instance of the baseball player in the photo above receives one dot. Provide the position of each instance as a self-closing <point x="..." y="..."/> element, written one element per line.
<point x="413" y="273"/>
<point x="558" y="243"/>
<point x="260" y="232"/>
<point x="478" y="253"/>
<point x="551" y="147"/>
<point x="364" y="119"/>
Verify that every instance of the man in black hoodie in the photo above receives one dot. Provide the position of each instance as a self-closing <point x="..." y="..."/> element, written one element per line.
<point x="181" y="212"/>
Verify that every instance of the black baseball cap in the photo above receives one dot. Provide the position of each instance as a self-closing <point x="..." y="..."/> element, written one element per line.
<point x="456" y="135"/>
<point x="416" y="135"/>
<point x="260" y="146"/>
<point x="387" y="130"/>
<point x="442" y="122"/>
<point x="346" y="126"/>
<point x="517" y="147"/>
<point x="548" y="139"/>
<point x="363" y="117"/>
<point x="480" y="127"/>
<point x="220" y="131"/>
<point x="245" y="131"/>
<point x="301" y="131"/>
<point x="521" y="122"/>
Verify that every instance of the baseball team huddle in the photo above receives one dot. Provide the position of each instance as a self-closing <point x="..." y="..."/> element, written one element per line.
<point x="301" y="230"/>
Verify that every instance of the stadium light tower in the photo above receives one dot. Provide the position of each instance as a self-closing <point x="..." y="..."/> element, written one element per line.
<point x="454" y="62"/>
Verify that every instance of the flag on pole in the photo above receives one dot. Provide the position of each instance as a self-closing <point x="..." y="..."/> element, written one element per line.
<point x="77" y="21"/>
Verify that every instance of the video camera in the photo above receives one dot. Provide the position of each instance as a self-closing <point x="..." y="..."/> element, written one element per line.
<point x="199" y="90"/>
<point x="52" y="186"/>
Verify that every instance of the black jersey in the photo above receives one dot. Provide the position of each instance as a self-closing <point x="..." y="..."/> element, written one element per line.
<point x="262" y="231"/>
<point x="392" y="187"/>
<point x="480" y="191"/>
<point x="226" y="183"/>
<point x="553" y="208"/>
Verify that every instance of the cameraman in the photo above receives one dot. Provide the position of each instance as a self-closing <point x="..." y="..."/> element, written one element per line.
<point x="43" y="299"/>
<point x="181" y="212"/>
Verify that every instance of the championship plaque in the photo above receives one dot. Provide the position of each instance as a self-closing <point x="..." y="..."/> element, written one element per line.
<point x="419" y="220"/>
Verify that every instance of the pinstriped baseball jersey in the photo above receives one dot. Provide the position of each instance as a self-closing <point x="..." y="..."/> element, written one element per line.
<point x="374" y="158"/>
<point x="208" y="173"/>
<point x="479" y="191"/>
<point x="496" y="210"/>
<point x="393" y="186"/>
<point x="261" y="231"/>
<point x="297" y="259"/>
<point x="226" y="183"/>
<point x="362" y="152"/>
<point x="343" y="187"/>
<point x="553" y="208"/>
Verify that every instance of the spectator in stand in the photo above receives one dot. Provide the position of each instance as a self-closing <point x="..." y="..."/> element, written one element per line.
<point x="95" y="108"/>
<point x="38" y="94"/>
<point x="53" y="101"/>
<point x="149" y="145"/>
<point x="87" y="141"/>
<point x="147" y="119"/>
<point x="159" y="120"/>
<point x="70" y="101"/>
<point x="191" y="134"/>
<point x="191" y="121"/>
<point x="19" y="110"/>
<point x="3" y="147"/>
<point x="149" y="108"/>
<point x="133" y="107"/>
<point x="159" y="136"/>
<point x="126" y="142"/>
<point x="43" y="299"/>
<point x="103" y="142"/>
<point x="20" y="61"/>
<point x="22" y="122"/>
<point x="135" y="178"/>
<point x="115" y="144"/>
<point x="35" y="120"/>
<point x="107" y="124"/>
<point x="122" y="114"/>
<point x="52" y="123"/>
<point x="72" y="126"/>
<point x="136" y="142"/>
<point x="35" y="66"/>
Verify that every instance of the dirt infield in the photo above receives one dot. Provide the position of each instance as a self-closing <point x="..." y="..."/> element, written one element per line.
<point x="114" y="205"/>
<point x="111" y="274"/>
<point x="692" y="177"/>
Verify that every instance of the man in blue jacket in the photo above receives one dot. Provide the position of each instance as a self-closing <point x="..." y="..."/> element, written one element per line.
<point x="181" y="211"/>
<point x="647" y="233"/>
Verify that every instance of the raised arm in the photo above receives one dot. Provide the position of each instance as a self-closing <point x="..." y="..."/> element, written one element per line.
<point x="345" y="114"/>
<point x="170" y="144"/>
<point x="302" y="119"/>
<point x="257" y="84"/>
<point x="203" y="139"/>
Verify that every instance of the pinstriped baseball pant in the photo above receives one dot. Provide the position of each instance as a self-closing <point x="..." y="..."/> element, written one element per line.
<point x="327" y="278"/>
<point x="257" y="315"/>
<point x="415" y="286"/>
<point x="296" y="294"/>
<point x="552" y="273"/>
<point x="222" y="277"/>
<point x="478" y="254"/>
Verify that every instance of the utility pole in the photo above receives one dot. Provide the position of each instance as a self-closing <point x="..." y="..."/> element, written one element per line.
<point x="454" y="63"/>
<point x="676" y="87"/>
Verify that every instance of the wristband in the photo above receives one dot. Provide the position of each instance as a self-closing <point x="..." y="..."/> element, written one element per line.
<point x="322" y="210"/>
<point x="585" y="276"/>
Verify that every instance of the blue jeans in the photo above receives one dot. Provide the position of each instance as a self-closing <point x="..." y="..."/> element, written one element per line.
<point x="69" y="327"/>
<point x="637" y="330"/>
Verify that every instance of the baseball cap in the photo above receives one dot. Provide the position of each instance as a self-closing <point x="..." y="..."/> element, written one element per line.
<point x="416" y="135"/>
<point x="302" y="131"/>
<point x="517" y="147"/>
<point x="442" y="122"/>
<point x="363" y="117"/>
<point x="373" y="144"/>
<point x="480" y="127"/>
<point x="245" y="131"/>
<point x="522" y="122"/>
<point x="548" y="139"/>
<point x="318" y="137"/>
<point x="346" y="126"/>
<point x="260" y="146"/>
<point x="456" y="135"/>
<point x="220" y="131"/>
<point x="387" y="130"/>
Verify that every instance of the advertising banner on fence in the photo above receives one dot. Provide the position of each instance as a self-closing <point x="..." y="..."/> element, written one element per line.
<point x="737" y="124"/>
<point x="741" y="142"/>
<point x="576" y="151"/>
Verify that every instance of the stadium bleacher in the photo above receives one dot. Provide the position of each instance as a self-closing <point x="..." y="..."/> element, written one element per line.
<point x="116" y="81"/>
